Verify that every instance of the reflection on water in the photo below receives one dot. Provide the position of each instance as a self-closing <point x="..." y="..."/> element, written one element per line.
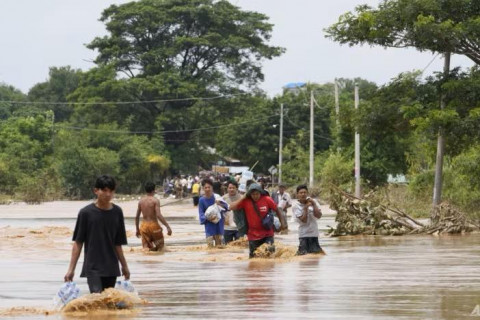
<point x="409" y="277"/>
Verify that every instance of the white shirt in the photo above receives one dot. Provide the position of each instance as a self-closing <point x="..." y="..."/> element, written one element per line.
<point x="310" y="227"/>
<point x="284" y="200"/>
<point x="229" y="222"/>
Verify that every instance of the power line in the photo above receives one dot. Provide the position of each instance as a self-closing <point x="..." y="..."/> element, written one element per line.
<point x="431" y="61"/>
<point x="300" y="127"/>
<point x="124" y="102"/>
<point x="165" y="131"/>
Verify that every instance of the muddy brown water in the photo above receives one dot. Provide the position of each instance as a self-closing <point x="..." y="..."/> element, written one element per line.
<point x="409" y="277"/>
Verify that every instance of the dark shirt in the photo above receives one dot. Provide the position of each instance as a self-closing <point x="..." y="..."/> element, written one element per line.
<point x="100" y="230"/>
<point x="217" y="187"/>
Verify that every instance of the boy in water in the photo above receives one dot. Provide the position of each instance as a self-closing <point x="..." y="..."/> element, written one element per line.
<point x="307" y="211"/>
<point x="101" y="227"/>
<point x="150" y="231"/>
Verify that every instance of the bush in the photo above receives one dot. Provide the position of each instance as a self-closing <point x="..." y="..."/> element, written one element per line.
<point x="337" y="171"/>
<point x="31" y="189"/>
<point x="80" y="167"/>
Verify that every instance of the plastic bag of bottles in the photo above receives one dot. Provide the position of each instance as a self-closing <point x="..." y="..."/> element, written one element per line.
<point x="125" y="285"/>
<point x="68" y="291"/>
<point x="276" y="224"/>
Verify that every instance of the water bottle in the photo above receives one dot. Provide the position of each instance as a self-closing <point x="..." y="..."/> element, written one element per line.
<point x="125" y="285"/>
<point x="276" y="224"/>
<point x="68" y="291"/>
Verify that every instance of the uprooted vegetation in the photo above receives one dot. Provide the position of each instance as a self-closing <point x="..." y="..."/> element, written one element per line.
<point x="369" y="215"/>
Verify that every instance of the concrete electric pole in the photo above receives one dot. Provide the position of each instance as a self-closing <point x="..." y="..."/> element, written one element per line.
<point x="280" y="146"/>
<point x="311" y="139"/>
<point x="357" y="151"/>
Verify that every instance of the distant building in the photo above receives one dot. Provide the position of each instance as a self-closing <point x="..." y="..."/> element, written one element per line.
<point x="226" y="164"/>
<point x="229" y="165"/>
<point x="397" y="179"/>
<point x="294" y="87"/>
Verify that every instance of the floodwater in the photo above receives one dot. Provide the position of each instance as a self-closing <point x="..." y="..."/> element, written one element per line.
<point x="408" y="277"/>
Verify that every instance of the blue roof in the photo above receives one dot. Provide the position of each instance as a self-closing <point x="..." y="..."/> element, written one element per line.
<point x="292" y="85"/>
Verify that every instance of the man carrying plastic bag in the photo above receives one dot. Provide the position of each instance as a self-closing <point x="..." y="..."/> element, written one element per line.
<point x="210" y="212"/>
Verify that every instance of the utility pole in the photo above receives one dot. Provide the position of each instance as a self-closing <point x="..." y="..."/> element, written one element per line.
<point x="311" y="139"/>
<point x="337" y="105"/>
<point x="337" y="115"/>
<point x="437" y="188"/>
<point x="53" y="130"/>
<point x="357" y="150"/>
<point x="280" y="146"/>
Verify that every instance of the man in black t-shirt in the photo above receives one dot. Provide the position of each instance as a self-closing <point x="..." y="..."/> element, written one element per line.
<point x="101" y="227"/>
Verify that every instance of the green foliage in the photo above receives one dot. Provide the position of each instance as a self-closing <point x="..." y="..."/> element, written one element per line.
<point x="251" y="133"/>
<point x="39" y="186"/>
<point x="464" y="188"/>
<point x="295" y="169"/>
<point x="81" y="165"/>
<point x="337" y="170"/>
<point x="25" y="144"/>
<point x="433" y="25"/>
<point x="61" y="82"/>
<point x="9" y="93"/>
<point x="107" y="150"/>
<point x="460" y="180"/>
<point x="173" y="50"/>
<point x="200" y="39"/>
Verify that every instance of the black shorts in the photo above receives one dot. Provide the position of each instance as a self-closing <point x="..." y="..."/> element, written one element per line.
<point x="98" y="284"/>
<point x="230" y="235"/>
<point x="254" y="244"/>
<point x="308" y="245"/>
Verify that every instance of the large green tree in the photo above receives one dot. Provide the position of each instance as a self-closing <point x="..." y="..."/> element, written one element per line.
<point x="202" y="40"/>
<point x="427" y="25"/>
<point x="443" y="26"/>
<point x="176" y="49"/>
<point x="8" y="96"/>
<point x="52" y="94"/>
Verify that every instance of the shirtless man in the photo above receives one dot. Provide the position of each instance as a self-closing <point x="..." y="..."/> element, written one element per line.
<point x="150" y="231"/>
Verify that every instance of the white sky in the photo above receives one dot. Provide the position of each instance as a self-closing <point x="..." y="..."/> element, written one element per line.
<point x="36" y="35"/>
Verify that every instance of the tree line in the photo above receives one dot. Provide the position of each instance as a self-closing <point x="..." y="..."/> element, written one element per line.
<point x="165" y="90"/>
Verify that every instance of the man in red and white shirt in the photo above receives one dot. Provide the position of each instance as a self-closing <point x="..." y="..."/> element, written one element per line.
<point x="257" y="234"/>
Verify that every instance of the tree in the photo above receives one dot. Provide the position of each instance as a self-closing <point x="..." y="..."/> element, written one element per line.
<point x="427" y="25"/>
<point x="197" y="39"/>
<point x="171" y="49"/>
<point x="25" y="147"/>
<point x="451" y="26"/>
<point x="9" y="93"/>
<point x="249" y="134"/>
<point x="384" y="147"/>
<point x="61" y="82"/>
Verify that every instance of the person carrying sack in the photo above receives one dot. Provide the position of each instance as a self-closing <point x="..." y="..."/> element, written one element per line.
<point x="257" y="207"/>
<point x="213" y="229"/>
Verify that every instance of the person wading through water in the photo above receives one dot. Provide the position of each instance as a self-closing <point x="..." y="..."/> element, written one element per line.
<point x="101" y="227"/>
<point x="150" y="230"/>
<point x="213" y="231"/>
<point x="256" y="206"/>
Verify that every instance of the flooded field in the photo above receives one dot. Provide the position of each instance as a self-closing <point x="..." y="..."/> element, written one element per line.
<point x="409" y="277"/>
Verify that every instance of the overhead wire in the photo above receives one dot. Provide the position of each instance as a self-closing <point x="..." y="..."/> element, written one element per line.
<point x="431" y="61"/>
<point x="164" y="131"/>
<point x="297" y="126"/>
<point x="125" y="102"/>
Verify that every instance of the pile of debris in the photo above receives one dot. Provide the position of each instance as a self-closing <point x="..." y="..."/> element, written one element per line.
<point x="446" y="219"/>
<point x="369" y="216"/>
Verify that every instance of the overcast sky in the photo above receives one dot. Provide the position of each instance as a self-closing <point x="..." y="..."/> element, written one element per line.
<point x="36" y="35"/>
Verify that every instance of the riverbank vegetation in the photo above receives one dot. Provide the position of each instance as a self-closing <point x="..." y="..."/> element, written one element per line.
<point x="174" y="88"/>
